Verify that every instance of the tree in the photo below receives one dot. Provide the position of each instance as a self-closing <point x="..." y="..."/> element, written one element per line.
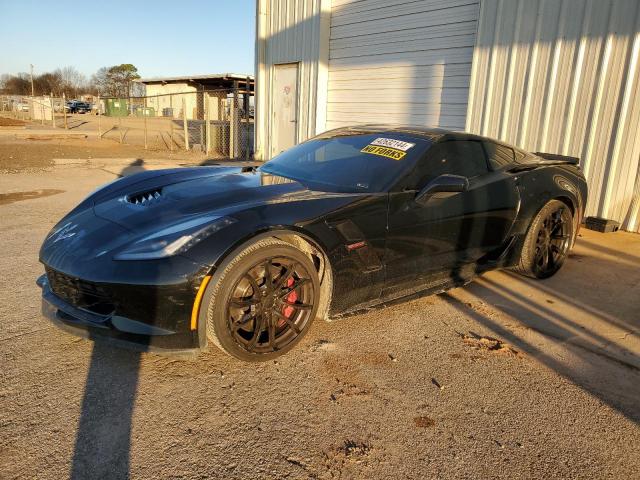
<point x="63" y="80"/>
<point x="116" y="81"/>
<point x="48" y="83"/>
<point x="102" y="82"/>
<point x="123" y="75"/>
<point x="16" y="84"/>
<point x="4" y="78"/>
<point x="73" y="82"/>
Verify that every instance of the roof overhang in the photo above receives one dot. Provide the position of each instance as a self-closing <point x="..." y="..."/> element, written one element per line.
<point x="203" y="79"/>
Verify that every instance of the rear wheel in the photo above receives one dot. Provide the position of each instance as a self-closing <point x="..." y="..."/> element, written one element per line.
<point x="264" y="301"/>
<point x="547" y="242"/>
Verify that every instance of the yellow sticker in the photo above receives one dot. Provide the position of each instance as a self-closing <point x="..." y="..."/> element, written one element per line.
<point x="384" y="152"/>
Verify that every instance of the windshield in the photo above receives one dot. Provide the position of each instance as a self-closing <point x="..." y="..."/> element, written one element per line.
<point x="354" y="163"/>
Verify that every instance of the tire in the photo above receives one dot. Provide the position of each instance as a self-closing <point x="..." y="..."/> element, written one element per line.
<point x="547" y="242"/>
<point x="255" y="319"/>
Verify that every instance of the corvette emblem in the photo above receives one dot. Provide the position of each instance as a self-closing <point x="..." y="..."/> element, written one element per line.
<point x="64" y="232"/>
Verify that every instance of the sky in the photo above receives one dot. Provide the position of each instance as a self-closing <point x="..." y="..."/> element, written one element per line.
<point x="161" y="38"/>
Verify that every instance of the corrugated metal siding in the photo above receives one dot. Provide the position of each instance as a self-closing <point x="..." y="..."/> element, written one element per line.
<point x="400" y="61"/>
<point x="290" y="32"/>
<point x="562" y="76"/>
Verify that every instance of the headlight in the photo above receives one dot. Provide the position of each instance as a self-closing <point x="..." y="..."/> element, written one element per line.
<point x="175" y="239"/>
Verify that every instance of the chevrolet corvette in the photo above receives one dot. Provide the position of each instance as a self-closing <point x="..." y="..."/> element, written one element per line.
<point x="246" y="258"/>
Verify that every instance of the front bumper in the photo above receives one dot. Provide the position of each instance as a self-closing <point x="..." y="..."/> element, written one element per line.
<point x="117" y="330"/>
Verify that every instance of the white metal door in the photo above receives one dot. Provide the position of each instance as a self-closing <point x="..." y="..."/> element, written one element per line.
<point x="285" y="108"/>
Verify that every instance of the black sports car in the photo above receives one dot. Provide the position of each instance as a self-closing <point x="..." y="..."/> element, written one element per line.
<point x="246" y="258"/>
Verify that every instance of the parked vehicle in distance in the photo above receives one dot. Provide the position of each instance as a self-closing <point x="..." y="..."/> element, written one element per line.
<point x="76" y="106"/>
<point x="246" y="258"/>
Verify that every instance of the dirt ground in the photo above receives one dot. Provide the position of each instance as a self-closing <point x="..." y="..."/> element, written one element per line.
<point x="505" y="378"/>
<point x="11" y="122"/>
<point x="20" y="155"/>
<point x="163" y="134"/>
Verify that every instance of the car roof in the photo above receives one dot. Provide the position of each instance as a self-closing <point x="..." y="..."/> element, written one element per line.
<point x="429" y="133"/>
<point x="434" y="134"/>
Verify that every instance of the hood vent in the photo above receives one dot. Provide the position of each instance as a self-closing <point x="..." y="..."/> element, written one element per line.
<point x="145" y="198"/>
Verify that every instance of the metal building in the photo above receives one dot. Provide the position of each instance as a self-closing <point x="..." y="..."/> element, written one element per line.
<point x="559" y="76"/>
<point x="168" y="92"/>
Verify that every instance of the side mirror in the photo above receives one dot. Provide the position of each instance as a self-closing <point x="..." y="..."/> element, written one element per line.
<point x="442" y="187"/>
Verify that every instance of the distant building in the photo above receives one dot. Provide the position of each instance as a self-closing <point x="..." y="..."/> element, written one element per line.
<point x="162" y="92"/>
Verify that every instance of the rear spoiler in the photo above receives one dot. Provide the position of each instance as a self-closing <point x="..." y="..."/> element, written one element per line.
<point x="554" y="157"/>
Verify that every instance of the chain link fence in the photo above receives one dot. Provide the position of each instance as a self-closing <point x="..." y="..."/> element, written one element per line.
<point x="219" y="123"/>
<point x="31" y="108"/>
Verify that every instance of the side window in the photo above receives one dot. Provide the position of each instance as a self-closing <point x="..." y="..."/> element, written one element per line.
<point x="458" y="157"/>
<point x="499" y="155"/>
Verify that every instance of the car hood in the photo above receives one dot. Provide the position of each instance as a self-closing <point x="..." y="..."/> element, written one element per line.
<point x="168" y="198"/>
<point x="129" y="209"/>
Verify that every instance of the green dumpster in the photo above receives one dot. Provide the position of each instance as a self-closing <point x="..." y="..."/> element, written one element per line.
<point x="116" y="107"/>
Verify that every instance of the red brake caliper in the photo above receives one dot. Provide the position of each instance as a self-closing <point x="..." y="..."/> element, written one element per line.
<point x="291" y="298"/>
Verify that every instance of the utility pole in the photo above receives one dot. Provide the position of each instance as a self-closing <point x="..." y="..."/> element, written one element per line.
<point x="32" y="91"/>
<point x="99" y="128"/>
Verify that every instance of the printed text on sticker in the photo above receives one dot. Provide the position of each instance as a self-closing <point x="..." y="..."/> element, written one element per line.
<point x="384" y="152"/>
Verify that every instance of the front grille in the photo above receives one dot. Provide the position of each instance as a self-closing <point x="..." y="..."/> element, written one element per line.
<point x="145" y="198"/>
<point x="79" y="293"/>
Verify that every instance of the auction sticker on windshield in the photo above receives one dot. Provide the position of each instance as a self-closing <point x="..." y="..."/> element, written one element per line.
<point x="388" y="147"/>
<point x="384" y="152"/>
<point x="393" y="143"/>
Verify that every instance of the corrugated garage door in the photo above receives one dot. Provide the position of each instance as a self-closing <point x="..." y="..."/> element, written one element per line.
<point x="400" y="61"/>
<point x="564" y="77"/>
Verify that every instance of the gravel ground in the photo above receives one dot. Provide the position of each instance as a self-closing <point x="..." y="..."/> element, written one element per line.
<point x="461" y="385"/>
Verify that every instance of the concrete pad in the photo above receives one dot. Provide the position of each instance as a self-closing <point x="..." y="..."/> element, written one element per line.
<point x="70" y="161"/>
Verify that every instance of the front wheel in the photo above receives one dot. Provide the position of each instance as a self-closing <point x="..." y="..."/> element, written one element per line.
<point x="547" y="242"/>
<point x="263" y="302"/>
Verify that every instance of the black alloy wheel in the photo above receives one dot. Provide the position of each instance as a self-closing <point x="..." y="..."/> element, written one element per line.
<point x="552" y="244"/>
<point x="270" y="305"/>
<point x="548" y="241"/>
<point x="262" y="303"/>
